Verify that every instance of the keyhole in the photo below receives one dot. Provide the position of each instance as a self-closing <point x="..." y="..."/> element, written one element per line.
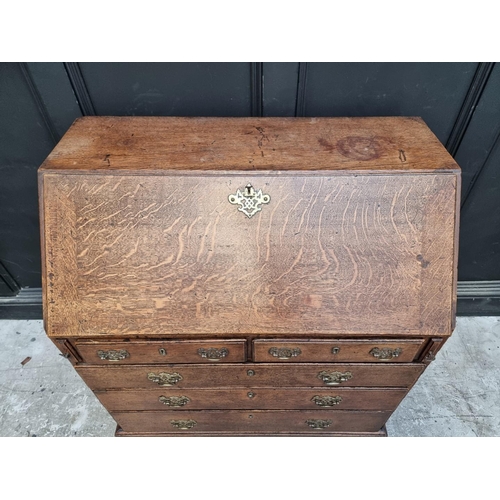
<point x="248" y="188"/>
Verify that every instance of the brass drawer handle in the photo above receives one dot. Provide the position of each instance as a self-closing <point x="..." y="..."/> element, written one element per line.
<point x="326" y="401"/>
<point x="113" y="355"/>
<point x="334" y="378"/>
<point x="164" y="378"/>
<point x="174" y="401"/>
<point x="249" y="200"/>
<point x="284" y="352"/>
<point x="213" y="353"/>
<point x="183" y="424"/>
<point x="318" y="424"/>
<point x="385" y="353"/>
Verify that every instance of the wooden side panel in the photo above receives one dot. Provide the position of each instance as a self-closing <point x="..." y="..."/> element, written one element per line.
<point x="157" y="255"/>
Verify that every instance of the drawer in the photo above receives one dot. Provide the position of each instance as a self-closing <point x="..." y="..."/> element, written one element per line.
<point x="170" y="351"/>
<point x="260" y="398"/>
<point x="192" y="422"/>
<point x="250" y="375"/>
<point x="395" y="351"/>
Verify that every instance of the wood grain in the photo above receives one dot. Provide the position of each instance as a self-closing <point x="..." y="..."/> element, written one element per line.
<point x="350" y="254"/>
<point x="345" y="350"/>
<point x="253" y="421"/>
<point x="263" y="375"/>
<point x="186" y="351"/>
<point x="216" y="144"/>
<point x="259" y="399"/>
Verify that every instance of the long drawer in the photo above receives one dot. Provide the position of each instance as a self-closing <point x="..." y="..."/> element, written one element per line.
<point x="169" y="351"/>
<point x="333" y="351"/>
<point x="252" y="398"/>
<point x="250" y="421"/>
<point x="250" y="375"/>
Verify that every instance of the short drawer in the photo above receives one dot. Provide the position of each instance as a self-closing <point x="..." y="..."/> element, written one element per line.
<point x="250" y="375"/>
<point x="171" y="351"/>
<point x="248" y="422"/>
<point x="258" y="398"/>
<point x="297" y="351"/>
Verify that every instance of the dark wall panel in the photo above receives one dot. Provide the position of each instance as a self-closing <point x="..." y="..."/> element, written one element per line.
<point x="169" y="89"/>
<point x="434" y="91"/>
<point x="25" y="142"/>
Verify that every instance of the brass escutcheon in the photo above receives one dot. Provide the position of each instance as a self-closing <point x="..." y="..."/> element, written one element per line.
<point x="326" y="401"/>
<point x="249" y="200"/>
<point x="385" y="353"/>
<point x="335" y="350"/>
<point x="164" y="378"/>
<point x="334" y="378"/>
<point x="213" y="353"/>
<point x="318" y="424"/>
<point x="163" y="352"/>
<point x="174" y="401"/>
<point x="284" y="352"/>
<point x="114" y="355"/>
<point x="183" y="424"/>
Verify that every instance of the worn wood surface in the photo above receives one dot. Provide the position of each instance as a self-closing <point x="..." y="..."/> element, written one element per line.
<point x="298" y="351"/>
<point x="260" y="375"/>
<point x="187" y="351"/>
<point x="251" y="421"/>
<point x="354" y="255"/>
<point x="218" y="144"/>
<point x="258" y="398"/>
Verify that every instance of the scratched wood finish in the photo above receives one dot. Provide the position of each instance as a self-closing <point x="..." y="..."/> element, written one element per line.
<point x="218" y="144"/>
<point x="186" y="351"/>
<point x="251" y="421"/>
<point x="334" y="350"/>
<point x="253" y="398"/>
<point x="250" y="375"/>
<point x="354" y="255"/>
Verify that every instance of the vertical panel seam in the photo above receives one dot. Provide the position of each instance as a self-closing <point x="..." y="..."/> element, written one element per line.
<point x="257" y="88"/>
<point x="472" y="98"/>
<point x="39" y="102"/>
<point x="300" y="102"/>
<point x="80" y="88"/>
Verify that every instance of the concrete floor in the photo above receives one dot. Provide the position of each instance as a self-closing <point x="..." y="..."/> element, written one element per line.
<point x="458" y="394"/>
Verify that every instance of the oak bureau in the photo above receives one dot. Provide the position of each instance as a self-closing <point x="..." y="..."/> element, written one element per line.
<point x="249" y="276"/>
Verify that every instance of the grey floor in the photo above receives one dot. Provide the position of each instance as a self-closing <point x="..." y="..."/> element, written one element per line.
<point x="458" y="395"/>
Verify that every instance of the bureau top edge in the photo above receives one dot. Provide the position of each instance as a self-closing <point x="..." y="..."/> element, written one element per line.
<point x="176" y="144"/>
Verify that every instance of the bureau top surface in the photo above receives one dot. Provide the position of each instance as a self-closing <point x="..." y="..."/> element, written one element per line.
<point x="396" y="144"/>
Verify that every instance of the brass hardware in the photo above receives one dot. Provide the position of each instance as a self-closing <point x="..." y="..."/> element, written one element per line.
<point x="162" y="351"/>
<point x="250" y="394"/>
<point x="250" y="201"/>
<point x="318" y="424"/>
<point x="164" y="378"/>
<point x="183" y="424"/>
<point x="284" y="352"/>
<point x="250" y="373"/>
<point x="114" y="355"/>
<point x="327" y="401"/>
<point x="334" y="378"/>
<point x="213" y="354"/>
<point x="174" y="400"/>
<point x="430" y="357"/>
<point x="335" y="350"/>
<point x="385" y="353"/>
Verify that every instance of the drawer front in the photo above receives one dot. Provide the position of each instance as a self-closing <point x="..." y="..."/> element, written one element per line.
<point x="325" y="399"/>
<point x="297" y="351"/>
<point x="187" y="351"/>
<point x="316" y="422"/>
<point x="250" y="375"/>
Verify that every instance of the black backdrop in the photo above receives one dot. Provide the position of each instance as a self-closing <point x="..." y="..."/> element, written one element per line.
<point x="459" y="101"/>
